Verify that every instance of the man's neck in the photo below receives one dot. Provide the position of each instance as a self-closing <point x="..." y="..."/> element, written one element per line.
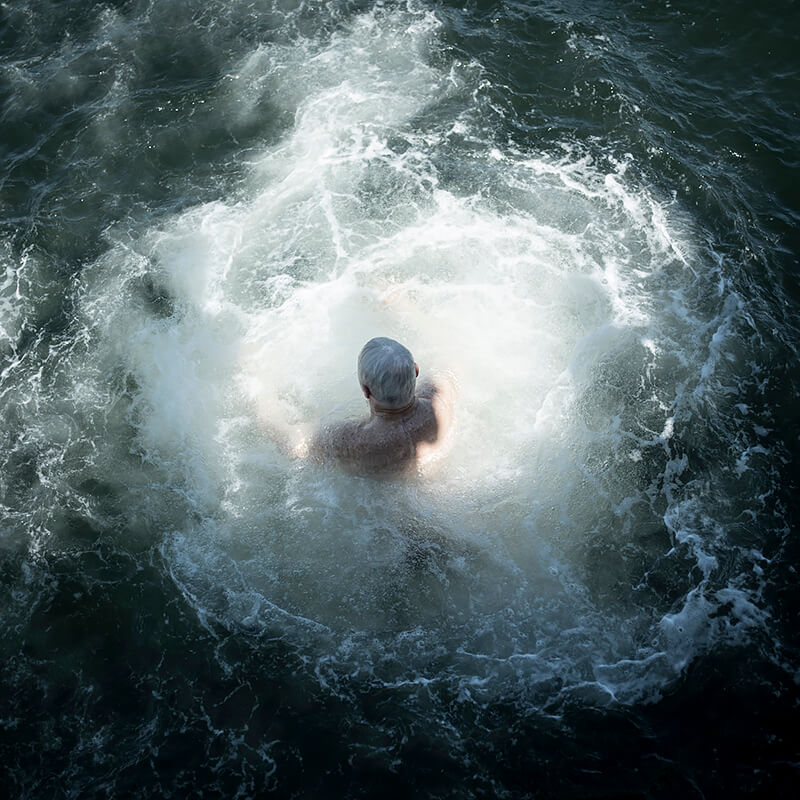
<point x="385" y="412"/>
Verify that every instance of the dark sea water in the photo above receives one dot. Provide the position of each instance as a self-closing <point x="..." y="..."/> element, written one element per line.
<point x="587" y="210"/>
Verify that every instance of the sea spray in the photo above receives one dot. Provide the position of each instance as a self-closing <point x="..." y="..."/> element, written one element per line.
<point x="231" y="215"/>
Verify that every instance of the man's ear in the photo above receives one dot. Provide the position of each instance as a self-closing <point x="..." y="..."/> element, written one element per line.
<point x="366" y="391"/>
<point x="416" y="369"/>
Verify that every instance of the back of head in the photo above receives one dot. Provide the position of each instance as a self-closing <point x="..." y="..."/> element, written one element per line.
<point x="387" y="369"/>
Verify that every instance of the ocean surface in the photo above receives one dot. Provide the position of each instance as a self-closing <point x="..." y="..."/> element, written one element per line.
<point x="587" y="210"/>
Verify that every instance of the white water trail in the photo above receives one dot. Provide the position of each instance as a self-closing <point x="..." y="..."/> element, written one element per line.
<point x="544" y="292"/>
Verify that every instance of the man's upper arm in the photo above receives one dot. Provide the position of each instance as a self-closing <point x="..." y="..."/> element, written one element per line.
<point x="443" y="394"/>
<point x="318" y="446"/>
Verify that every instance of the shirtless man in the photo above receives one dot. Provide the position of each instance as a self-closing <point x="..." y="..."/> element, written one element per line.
<point x="406" y="426"/>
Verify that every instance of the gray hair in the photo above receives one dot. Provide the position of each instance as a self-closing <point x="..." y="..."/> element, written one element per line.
<point x="387" y="369"/>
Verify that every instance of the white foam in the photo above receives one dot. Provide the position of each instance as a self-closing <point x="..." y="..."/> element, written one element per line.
<point x="560" y="296"/>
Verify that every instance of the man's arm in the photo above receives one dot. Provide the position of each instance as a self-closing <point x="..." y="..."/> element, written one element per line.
<point x="442" y="391"/>
<point x="291" y="439"/>
<point x="443" y="386"/>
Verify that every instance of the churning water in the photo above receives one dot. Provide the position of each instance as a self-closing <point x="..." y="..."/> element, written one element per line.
<point x="207" y="210"/>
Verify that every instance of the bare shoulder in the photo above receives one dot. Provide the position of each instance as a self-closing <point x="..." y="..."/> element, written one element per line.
<point x="336" y="441"/>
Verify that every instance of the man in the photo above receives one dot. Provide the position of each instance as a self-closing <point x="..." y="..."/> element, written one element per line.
<point x="407" y="426"/>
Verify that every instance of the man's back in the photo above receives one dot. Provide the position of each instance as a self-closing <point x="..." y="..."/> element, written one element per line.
<point x="407" y="428"/>
<point x="391" y="442"/>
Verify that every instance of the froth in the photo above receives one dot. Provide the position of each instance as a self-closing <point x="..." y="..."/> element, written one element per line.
<point x="547" y="291"/>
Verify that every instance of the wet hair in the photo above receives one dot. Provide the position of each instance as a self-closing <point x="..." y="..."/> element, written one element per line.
<point x="387" y="369"/>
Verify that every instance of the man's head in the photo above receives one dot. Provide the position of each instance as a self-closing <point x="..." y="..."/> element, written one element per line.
<point x="387" y="372"/>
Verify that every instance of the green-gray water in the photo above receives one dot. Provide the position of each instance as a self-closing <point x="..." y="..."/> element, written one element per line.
<point x="586" y="210"/>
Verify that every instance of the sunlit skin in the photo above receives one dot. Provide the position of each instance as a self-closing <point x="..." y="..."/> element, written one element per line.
<point x="391" y="440"/>
<point x="388" y="441"/>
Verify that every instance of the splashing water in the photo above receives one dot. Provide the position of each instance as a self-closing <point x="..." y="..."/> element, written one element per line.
<point x="567" y="542"/>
